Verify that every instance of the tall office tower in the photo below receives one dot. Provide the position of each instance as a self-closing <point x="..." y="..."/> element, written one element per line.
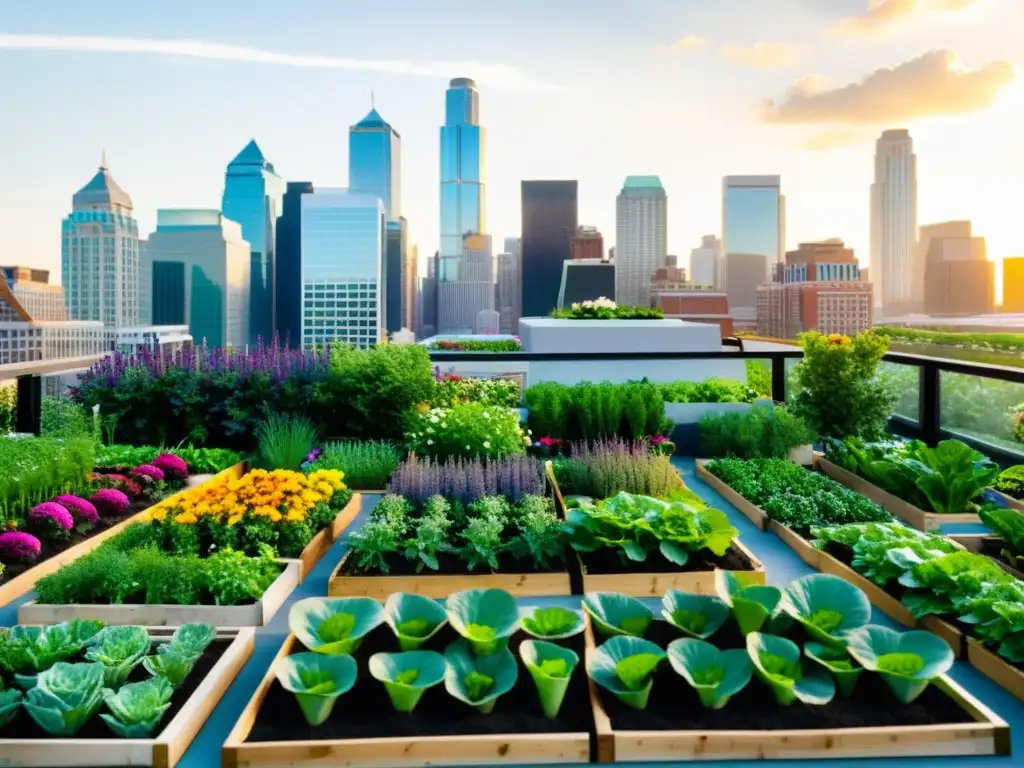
<point x="1013" y="284"/>
<point x="897" y="271"/>
<point x="706" y="262"/>
<point x="375" y="162"/>
<point x="426" y="318"/>
<point x="460" y="301"/>
<point x="587" y="243"/>
<point x="959" y="279"/>
<point x="196" y="272"/>
<point x="395" y="250"/>
<point x="342" y="240"/>
<point x="410" y="279"/>
<point x="288" y="264"/>
<point x="463" y="207"/>
<point x="641" y="237"/>
<point x="510" y="292"/>
<point x="100" y="254"/>
<point x="548" y="228"/>
<point x="252" y="197"/>
<point x="754" y="228"/>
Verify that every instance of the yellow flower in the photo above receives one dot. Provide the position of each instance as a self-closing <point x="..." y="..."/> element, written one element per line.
<point x="423" y="407"/>
<point x="185" y="518"/>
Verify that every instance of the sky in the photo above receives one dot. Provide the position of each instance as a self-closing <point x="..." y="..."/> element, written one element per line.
<point x="593" y="90"/>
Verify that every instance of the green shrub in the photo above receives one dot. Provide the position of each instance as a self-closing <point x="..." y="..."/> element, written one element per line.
<point x="35" y="469"/>
<point x="467" y="430"/>
<point x="759" y="377"/>
<point x="452" y="390"/>
<point x="367" y="465"/>
<point x="714" y="390"/>
<point x="65" y="418"/>
<point x="763" y="432"/>
<point x="605" y="309"/>
<point x="285" y="441"/>
<point x="588" y="411"/>
<point x="201" y="461"/>
<point x="1011" y="482"/>
<point x="8" y="407"/>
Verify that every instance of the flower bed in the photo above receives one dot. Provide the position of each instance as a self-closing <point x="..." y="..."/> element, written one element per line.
<point x="186" y="674"/>
<point x="606" y="309"/>
<point x="200" y="461"/>
<point x="476" y="345"/>
<point x="513" y="700"/>
<point x="466" y="430"/>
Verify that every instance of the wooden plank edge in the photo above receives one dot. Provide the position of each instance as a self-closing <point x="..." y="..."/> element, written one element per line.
<point x="992" y="666"/>
<point x="754" y="514"/>
<point x="801" y="546"/>
<point x="604" y="736"/>
<point x="879" y="598"/>
<point x="320" y="544"/>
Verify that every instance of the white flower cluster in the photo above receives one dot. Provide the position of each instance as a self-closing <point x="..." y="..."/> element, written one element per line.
<point x="598" y="303"/>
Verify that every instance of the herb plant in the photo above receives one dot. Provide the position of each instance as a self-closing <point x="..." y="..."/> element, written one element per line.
<point x="367" y="464"/>
<point x="602" y="469"/>
<point x="763" y="432"/>
<point x="589" y="411"/>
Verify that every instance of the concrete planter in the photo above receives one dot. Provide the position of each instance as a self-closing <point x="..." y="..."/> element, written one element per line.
<point x="546" y="334"/>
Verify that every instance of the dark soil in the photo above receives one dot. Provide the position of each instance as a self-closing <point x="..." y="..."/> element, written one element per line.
<point x="24" y="727"/>
<point x="366" y="712"/>
<point x="608" y="561"/>
<point x="450" y="565"/>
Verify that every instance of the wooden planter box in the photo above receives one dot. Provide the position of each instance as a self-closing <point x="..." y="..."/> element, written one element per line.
<point x="314" y="552"/>
<point x="508" y="749"/>
<point x="995" y="668"/>
<point x="254" y="615"/>
<point x="913" y="516"/>
<point x="166" y="748"/>
<point x="1009" y="501"/>
<point x="988" y="734"/>
<point x="26" y="581"/>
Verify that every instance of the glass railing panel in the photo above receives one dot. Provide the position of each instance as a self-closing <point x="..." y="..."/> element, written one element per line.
<point x="982" y="408"/>
<point x="906" y="380"/>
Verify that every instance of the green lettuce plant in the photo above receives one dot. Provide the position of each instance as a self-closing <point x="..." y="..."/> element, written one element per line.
<point x="27" y="650"/>
<point x="625" y="666"/>
<point x="137" y="708"/>
<point x="907" y="661"/>
<point x="699" y="616"/>
<point x="837" y="661"/>
<point x="552" y="623"/>
<point x="486" y="618"/>
<point x="407" y="676"/>
<point x="334" y="625"/>
<point x="715" y="675"/>
<point x="65" y="697"/>
<point x="317" y="680"/>
<point x="10" y="703"/>
<point x="190" y="640"/>
<point x="752" y="605"/>
<point x="119" y="650"/>
<point x="777" y="663"/>
<point x="615" y="614"/>
<point x="478" y="680"/>
<point x="551" y="667"/>
<point x="827" y="606"/>
<point x="413" y="618"/>
<point x="1008" y="525"/>
<point x="170" y="665"/>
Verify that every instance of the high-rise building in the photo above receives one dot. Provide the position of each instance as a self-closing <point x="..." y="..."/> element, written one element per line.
<point x="29" y="292"/>
<point x="706" y="262"/>
<point x="196" y="272"/>
<point x="288" y="264"/>
<point x="343" y="240"/>
<point x="375" y="162"/>
<point x="587" y="243"/>
<point x="426" y="318"/>
<point x="959" y="279"/>
<point x="1013" y="284"/>
<point x="742" y="274"/>
<point x="100" y="254"/>
<point x="896" y="271"/>
<point x="510" y="292"/>
<point x="819" y="288"/>
<point x="395" y="264"/>
<point x="252" y="197"/>
<point x="461" y="300"/>
<point x="549" y="226"/>
<point x="463" y="208"/>
<point x="753" y="237"/>
<point x="641" y="237"/>
<point x="410" y="279"/>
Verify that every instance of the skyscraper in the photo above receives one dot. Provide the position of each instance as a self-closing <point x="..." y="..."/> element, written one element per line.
<point x="252" y="197"/>
<point x="100" y="254"/>
<point x="587" y="243"/>
<point x="288" y="264"/>
<point x="959" y="279"/>
<point x="395" y="250"/>
<point x="375" y="162"/>
<point x="343" y="235"/>
<point x="463" y="208"/>
<point x="548" y="227"/>
<point x="641" y="237"/>
<point x="706" y="262"/>
<point x="510" y="292"/>
<point x="897" y="272"/>
<point x="753" y="226"/>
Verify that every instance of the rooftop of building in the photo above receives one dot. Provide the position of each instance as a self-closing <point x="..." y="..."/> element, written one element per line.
<point x="642" y="182"/>
<point x="252" y="155"/>
<point x="373" y="122"/>
<point x="102" y="190"/>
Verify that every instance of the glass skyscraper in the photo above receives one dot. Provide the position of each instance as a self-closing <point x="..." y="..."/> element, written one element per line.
<point x="753" y="224"/>
<point x="548" y="226"/>
<point x="288" y="264"/>
<point x="463" y="207"/>
<point x="375" y="162"/>
<point x="252" y="197"/>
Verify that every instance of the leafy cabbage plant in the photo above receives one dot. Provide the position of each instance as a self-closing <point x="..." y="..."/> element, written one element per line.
<point x="837" y="661"/>
<point x="65" y="697"/>
<point x="552" y="623"/>
<point x="699" y="616"/>
<point x="190" y="640"/>
<point x="777" y="663"/>
<point x="716" y="675"/>
<point x="615" y="614"/>
<point x="907" y="661"/>
<point x="317" y="680"/>
<point x="334" y="625"/>
<point x="10" y="703"/>
<point x="637" y="526"/>
<point x="119" y="650"/>
<point x="25" y="650"/>
<point x="1008" y="525"/>
<point x="478" y="680"/>
<point x="827" y="606"/>
<point x="137" y="708"/>
<point x="625" y="666"/>
<point x="407" y="676"/>
<point x="551" y="667"/>
<point x="486" y="618"/>
<point x="752" y="605"/>
<point x="413" y="618"/>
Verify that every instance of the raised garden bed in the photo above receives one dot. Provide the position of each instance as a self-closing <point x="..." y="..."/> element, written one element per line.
<point x="25" y="581"/>
<point x="24" y="743"/>
<point x="988" y="545"/>
<point x="1008" y="501"/>
<point x="314" y="552"/>
<point x="996" y="668"/>
<point x="946" y="720"/>
<point x="364" y="730"/>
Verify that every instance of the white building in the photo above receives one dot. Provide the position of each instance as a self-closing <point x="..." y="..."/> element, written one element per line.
<point x="472" y="290"/>
<point x="895" y="273"/>
<point x="706" y="263"/>
<point x="100" y="254"/>
<point x="342" y="246"/>
<point x="641" y="237"/>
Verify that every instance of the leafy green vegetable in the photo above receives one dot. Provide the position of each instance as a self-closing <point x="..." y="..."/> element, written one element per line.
<point x="171" y="665"/>
<point x="65" y="697"/>
<point x="119" y="649"/>
<point x="827" y="606"/>
<point x="487" y="618"/>
<point x="625" y="666"/>
<point x="10" y="703"/>
<point x="616" y="614"/>
<point x="317" y="680"/>
<point x="1008" y="525"/>
<point x="553" y="623"/>
<point x="137" y="708"/>
<point x="413" y="618"/>
<point x="882" y="552"/>
<point x="777" y="663"/>
<point x="334" y="625"/>
<point x="907" y="661"/>
<point x="406" y="676"/>
<point x="479" y="680"/>
<point x="699" y="616"/>
<point x="715" y="675"/>
<point x="752" y="605"/>
<point x="837" y="661"/>
<point x="189" y="640"/>
<point x="28" y="650"/>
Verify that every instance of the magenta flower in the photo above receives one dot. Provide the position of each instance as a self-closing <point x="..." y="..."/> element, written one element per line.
<point x="110" y="501"/>
<point x="50" y="512"/>
<point x="171" y="465"/>
<point x="149" y="472"/>
<point x="659" y="439"/>
<point x="82" y="510"/>
<point x="18" y="546"/>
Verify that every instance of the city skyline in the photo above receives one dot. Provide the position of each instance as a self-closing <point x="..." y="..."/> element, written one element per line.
<point x="665" y="49"/>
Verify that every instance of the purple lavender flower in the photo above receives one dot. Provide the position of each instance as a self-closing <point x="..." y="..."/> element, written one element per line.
<point x="51" y="514"/>
<point x="81" y="509"/>
<point x="19" y="547"/>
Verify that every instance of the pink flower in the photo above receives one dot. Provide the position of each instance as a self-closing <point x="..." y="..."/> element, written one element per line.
<point x="18" y="546"/>
<point x="50" y="512"/>
<point x="110" y="501"/>
<point x="171" y="465"/>
<point x="149" y="472"/>
<point x="83" y="511"/>
<point x="121" y="482"/>
<point x="548" y="442"/>
<point x="659" y="439"/>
